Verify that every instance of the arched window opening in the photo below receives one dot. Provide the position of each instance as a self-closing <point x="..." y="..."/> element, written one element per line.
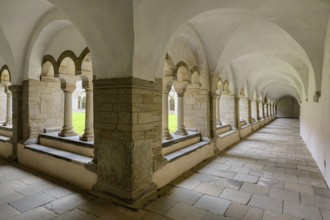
<point x="6" y="98"/>
<point x="78" y="112"/>
<point x="227" y="107"/>
<point x="173" y="111"/>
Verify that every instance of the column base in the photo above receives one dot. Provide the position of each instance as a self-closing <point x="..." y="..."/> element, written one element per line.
<point x="134" y="200"/>
<point x="166" y="135"/>
<point x="86" y="138"/>
<point x="7" y="124"/>
<point x="181" y="132"/>
<point x="92" y="166"/>
<point x="67" y="134"/>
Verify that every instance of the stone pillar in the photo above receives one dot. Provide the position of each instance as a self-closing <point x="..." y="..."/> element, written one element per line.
<point x="228" y="109"/>
<point x="89" y="112"/>
<point x="127" y="118"/>
<point x="250" y="111"/>
<point x="166" y="135"/>
<point x="237" y="112"/>
<point x="254" y="109"/>
<point x="261" y="110"/>
<point x="9" y="111"/>
<point x="217" y="109"/>
<point x="67" y="130"/>
<point x="17" y="119"/>
<point x="180" y="88"/>
<point x="269" y="110"/>
<point x="265" y="110"/>
<point x="244" y="112"/>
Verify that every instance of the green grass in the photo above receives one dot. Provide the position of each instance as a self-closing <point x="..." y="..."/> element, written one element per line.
<point x="172" y="122"/>
<point x="78" y="120"/>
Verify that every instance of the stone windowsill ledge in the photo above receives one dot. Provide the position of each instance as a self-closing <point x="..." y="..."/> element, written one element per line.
<point x="178" y="138"/>
<point x="185" y="151"/>
<point x="245" y="126"/>
<point x="68" y="156"/>
<point x="233" y="131"/>
<point x="6" y="128"/>
<point x="4" y="138"/>
<point x="71" y="140"/>
<point x="222" y="126"/>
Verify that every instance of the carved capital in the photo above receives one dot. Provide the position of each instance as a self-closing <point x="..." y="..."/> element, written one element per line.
<point x="68" y="87"/>
<point x="180" y="87"/>
<point x="180" y="91"/>
<point x="167" y="88"/>
<point x="87" y="85"/>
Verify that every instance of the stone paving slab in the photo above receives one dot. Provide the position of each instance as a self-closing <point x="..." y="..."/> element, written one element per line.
<point x="31" y="202"/>
<point x="272" y="171"/>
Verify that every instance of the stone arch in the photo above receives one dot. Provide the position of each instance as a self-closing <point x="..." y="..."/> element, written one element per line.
<point x="84" y="62"/>
<point x="182" y="72"/>
<point x="5" y="75"/>
<point x="67" y="63"/>
<point x="50" y="67"/>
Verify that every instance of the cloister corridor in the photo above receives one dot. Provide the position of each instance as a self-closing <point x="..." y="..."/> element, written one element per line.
<point x="268" y="175"/>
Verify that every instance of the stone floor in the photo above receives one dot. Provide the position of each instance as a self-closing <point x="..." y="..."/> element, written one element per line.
<point x="269" y="175"/>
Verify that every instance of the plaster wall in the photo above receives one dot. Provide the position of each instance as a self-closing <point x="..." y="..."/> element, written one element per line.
<point x="288" y="107"/>
<point x="67" y="39"/>
<point x="315" y="119"/>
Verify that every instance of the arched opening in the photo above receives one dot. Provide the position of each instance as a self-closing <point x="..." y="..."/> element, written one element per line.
<point x="288" y="107"/>
<point x="5" y="97"/>
<point x="227" y="107"/>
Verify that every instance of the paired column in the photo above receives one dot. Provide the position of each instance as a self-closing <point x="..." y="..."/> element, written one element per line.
<point x="166" y="135"/>
<point x="217" y="103"/>
<point x="89" y="117"/>
<point x="9" y="111"/>
<point x="261" y="110"/>
<point x="67" y="130"/>
<point x="180" y="88"/>
<point x="254" y="110"/>
<point x="265" y="110"/>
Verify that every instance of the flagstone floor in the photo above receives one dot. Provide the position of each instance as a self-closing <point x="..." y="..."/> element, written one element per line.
<point x="270" y="175"/>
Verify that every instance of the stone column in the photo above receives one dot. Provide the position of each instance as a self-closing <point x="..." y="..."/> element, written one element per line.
<point x="265" y="110"/>
<point x="237" y="112"/>
<point x="269" y="110"/>
<point x="9" y="111"/>
<point x="250" y="111"/>
<point x="17" y="119"/>
<point x="166" y="135"/>
<point x="261" y="110"/>
<point x="180" y="88"/>
<point x="67" y="130"/>
<point x="89" y="117"/>
<point x="217" y="109"/>
<point x="254" y="110"/>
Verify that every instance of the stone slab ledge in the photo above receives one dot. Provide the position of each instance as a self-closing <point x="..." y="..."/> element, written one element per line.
<point x="68" y="156"/>
<point x="4" y="139"/>
<point x="185" y="151"/>
<point x="178" y="138"/>
<point x="227" y="133"/>
<point x="71" y="140"/>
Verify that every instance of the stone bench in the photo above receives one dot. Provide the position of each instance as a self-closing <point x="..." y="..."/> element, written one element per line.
<point x="4" y="138"/>
<point x="68" y="156"/>
<point x="69" y="144"/>
<point x="185" y="151"/>
<point x="179" y="142"/>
